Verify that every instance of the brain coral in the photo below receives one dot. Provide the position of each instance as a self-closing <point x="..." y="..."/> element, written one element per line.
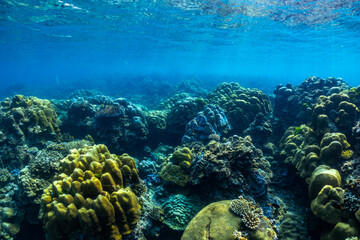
<point x="241" y="105"/>
<point x="92" y="196"/>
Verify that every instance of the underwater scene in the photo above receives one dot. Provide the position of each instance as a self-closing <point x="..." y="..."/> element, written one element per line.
<point x="179" y="119"/>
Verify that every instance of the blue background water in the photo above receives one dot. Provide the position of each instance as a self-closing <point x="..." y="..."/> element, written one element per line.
<point x="259" y="43"/>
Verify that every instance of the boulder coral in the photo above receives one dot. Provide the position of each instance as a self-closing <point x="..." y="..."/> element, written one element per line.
<point x="241" y="105"/>
<point x="336" y="109"/>
<point x="302" y="147"/>
<point x="235" y="162"/>
<point x="326" y="205"/>
<point x="323" y="175"/>
<point x="28" y="119"/>
<point x="218" y="222"/>
<point x="177" y="169"/>
<point x="92" y="196"/>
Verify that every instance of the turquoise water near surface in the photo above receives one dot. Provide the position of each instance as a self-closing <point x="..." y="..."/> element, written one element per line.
<point x="278" y="41"/>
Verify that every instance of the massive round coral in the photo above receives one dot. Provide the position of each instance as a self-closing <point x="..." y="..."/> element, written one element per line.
<point x="92" y="196"/>
<point x="241" y="105"/>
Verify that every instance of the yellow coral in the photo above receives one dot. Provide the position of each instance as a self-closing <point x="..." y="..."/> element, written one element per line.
<point x="176" y="170"/>
<point x="91" y="195"/>
<point x="346" y="154"/>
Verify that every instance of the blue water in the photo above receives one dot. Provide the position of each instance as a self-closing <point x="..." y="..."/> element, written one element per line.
<point x="258" y="43"/>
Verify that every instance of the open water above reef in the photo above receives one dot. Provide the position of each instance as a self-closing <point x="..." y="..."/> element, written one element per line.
<point x="190" y="90"/>
<point x="44" y="43"/>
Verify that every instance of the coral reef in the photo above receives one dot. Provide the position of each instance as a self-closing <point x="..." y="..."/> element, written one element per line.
<point x="293" y="105"/>
<point x="25" y="122"/>
<point x="301" y="146"/>
<point x="177" y="169"/>
<point x="260" y="130"/>
<point x="179" y="210"/>
<point x="235" y="162"/>
<point x="326" y="205"/>
<point x="249" y="212"/>
<point x="182" y="112"/>
<point x="218" y="222"/>
<point x="323" y="175"/>
<point x="92" y="194"/>
<point x="241" y="105"/>
<point x="334" y="113"/>
<point x="28" y="120"/>
<point x="209" y="124"/>
<point x="118" y="123"/>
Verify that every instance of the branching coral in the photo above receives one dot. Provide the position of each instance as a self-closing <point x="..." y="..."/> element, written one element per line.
<point x="250" y="213"/>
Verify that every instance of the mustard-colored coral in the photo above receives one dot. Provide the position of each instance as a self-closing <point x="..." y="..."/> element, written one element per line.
<point x="323" y="175"/>
<point x="326" y="205"/>
<point x="92" y="194"/>
<point x="32" y="117"/>
<point x="177" y="169"/>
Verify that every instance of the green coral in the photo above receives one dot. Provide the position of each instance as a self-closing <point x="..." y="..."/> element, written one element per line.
<point x="326" y="205"/>
<point x="177" y="167"/>
<point x="95" y="206"/>
<point x="323" y="175"/>
<point x="216" y="221"/>
<point x="340" y="102"/>
<point x="307" y="152"/>
<point x="179" y="210"/>
<point x="30" y="117"/>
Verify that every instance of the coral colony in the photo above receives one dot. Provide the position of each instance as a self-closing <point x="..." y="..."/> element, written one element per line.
<point x="230" y="163"/>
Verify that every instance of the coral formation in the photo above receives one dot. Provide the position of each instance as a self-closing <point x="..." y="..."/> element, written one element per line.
<point x="209" y="124"/>
<point x="218" y="222"/>
<point x="235" y="162"/>
<point x="177" y="169"/>
<point x="241" y="105"/>
<point x="250" y="213"/>
<point x="92" y="194"/>
<point x="293" y="105"/>
<point x="335" y="112"/>
<point x="118" y="123"/>
<point x="326" y="205"/>
<point x="323" y="175"/>
<point x="182" y="112"/>
<point x="179" y="210"/>
<point x="28" y="119"/>
<point x="302" y="147"/>
<point x="260" y="129"/>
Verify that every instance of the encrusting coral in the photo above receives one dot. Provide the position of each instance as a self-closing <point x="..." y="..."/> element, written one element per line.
<point x="92" y="196"/>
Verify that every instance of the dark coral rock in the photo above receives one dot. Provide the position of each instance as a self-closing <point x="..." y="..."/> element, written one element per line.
<point x="235" y="162"/>
<point x="293" y="105"/>
<point x="260" y="129"/>
<point x="241" y="105"/>
<point x="209" y="124"/>
<point x="181" y="113"/>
